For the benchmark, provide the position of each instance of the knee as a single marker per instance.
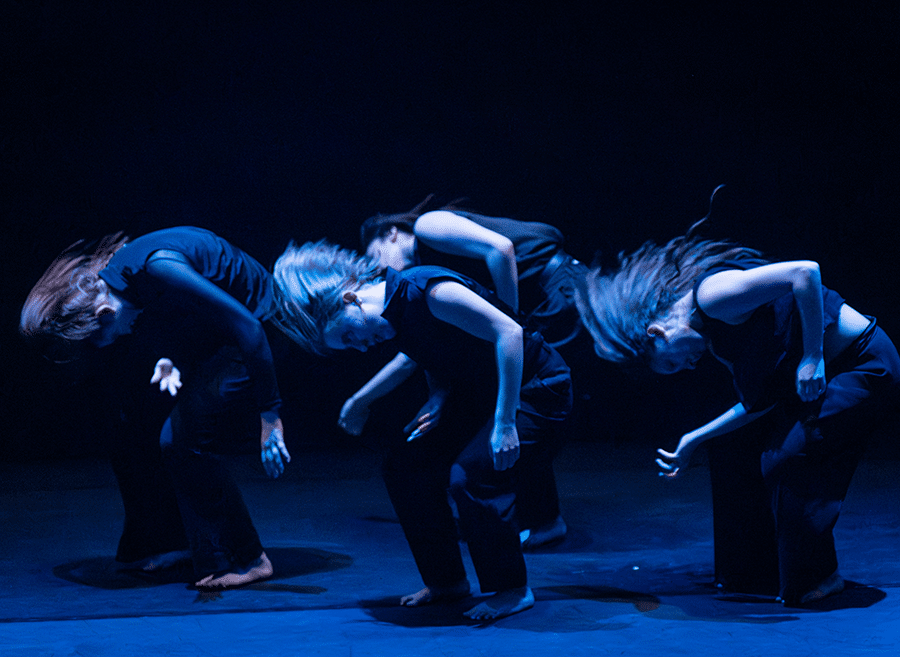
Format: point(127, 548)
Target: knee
point(459, 482)
point(165, 436)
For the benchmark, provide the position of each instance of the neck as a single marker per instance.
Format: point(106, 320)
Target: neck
point(371, 295)
point(684, 310)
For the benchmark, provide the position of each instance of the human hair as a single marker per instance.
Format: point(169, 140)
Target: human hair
point(379, 225)
point(311, 280)
point(617, 306)
point(61, 307)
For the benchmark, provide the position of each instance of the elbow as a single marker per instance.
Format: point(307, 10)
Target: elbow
point(505, 249)
point(501, 254)
point(407, 365)
point(807, 275)
point(512, 334)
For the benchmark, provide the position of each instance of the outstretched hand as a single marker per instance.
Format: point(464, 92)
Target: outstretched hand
point(671, 464)
point(274, 454)
point(167, 376)
point(811, 378)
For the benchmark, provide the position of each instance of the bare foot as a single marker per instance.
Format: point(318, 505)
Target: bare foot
point(433, 594)
point(832, 584)
point(502, 604)
point(261, 568)
point(543, 535)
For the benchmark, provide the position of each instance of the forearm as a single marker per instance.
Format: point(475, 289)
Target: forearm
point(509, 351)
point(734, 418)
point(387, 379)
point(501, 264)
point(807, 288)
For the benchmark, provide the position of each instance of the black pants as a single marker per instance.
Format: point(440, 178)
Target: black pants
point(457, 456)
point(215, 415)
point(152, 520)
point(801, 473)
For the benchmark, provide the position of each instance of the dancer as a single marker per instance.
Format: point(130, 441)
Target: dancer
point(504, 389)
point(194, 300)
point(825, 373)
point(525, 264)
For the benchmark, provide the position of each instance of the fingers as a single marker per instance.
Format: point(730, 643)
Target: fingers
point(272, 452)
point(810, 390)
point(171, 384)
point(416, 425)
point(668, 469)
point(353, 428)
point(668, 464)
point(506, 458)
point(421, 430)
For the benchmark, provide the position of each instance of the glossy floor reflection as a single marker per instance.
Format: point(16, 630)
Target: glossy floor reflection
point(632, 577)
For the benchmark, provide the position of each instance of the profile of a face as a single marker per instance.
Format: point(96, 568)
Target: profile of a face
point(392, 250)
point(357, 327)
point(674, 348)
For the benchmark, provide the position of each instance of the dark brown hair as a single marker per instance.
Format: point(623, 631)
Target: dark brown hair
point(61, 305)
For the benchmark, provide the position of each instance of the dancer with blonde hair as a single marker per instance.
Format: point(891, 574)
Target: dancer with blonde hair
point(502, 389)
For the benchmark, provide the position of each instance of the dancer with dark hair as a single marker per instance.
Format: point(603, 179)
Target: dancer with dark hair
point(504, 389)
point(825, 375)
point(525, 264)
point(198, 302)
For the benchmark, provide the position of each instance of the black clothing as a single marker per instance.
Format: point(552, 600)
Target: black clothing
point(457, 454)
point(800, 458)
point(763, 352)
point(205, 316)
point(545, 272)
point(546, 275)
point(201, 302)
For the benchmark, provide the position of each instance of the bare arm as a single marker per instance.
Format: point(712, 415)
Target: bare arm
point(672, 463)
point(451, 233)
point(355, 411)
point(457, 305)
point(732, 296)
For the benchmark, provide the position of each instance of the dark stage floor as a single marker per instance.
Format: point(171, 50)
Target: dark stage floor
point(633, 576)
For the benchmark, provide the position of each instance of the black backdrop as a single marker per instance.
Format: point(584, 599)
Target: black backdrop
point(266, 121)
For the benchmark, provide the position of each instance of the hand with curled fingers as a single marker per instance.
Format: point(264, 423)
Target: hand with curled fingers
point(504, 446)
point(167, 376)
point(274, 453)
point(811, 378)
point(353, 417)
point(672, 464)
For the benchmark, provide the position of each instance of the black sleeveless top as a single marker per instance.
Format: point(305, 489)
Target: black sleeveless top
point(764, 351)
point(461, 360)
point(535, 244)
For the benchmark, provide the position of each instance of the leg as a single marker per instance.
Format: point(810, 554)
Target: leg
point(486, 502)
point(415, 475)
point(214, 415)
point(537, 500)
point(153, 534)
point(810, 468)
point(746, 552)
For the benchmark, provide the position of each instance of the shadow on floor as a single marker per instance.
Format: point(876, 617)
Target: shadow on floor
point(105, 573)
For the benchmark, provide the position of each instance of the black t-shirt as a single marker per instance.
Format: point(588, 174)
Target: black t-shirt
point(211, 294)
